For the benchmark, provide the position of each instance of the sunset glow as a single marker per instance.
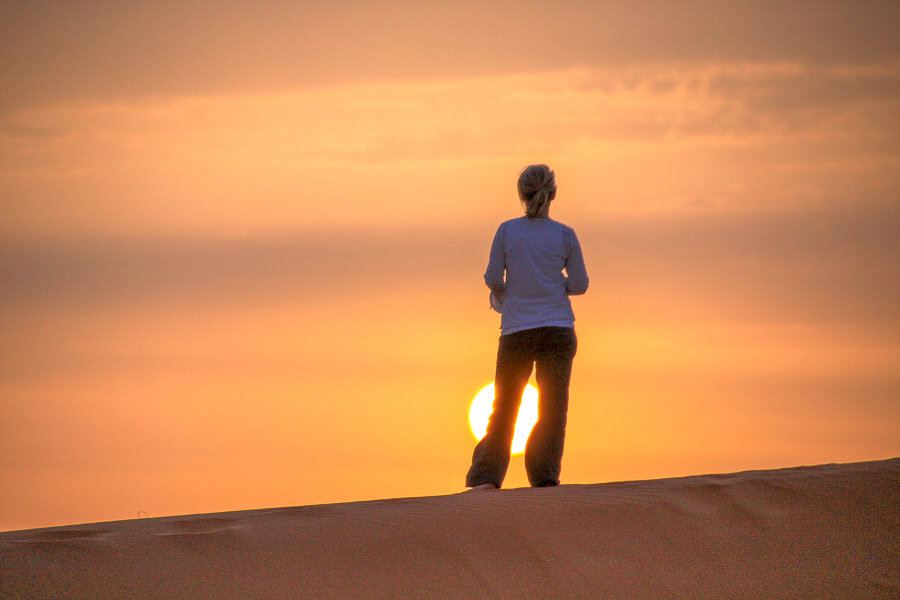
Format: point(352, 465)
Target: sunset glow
point(242, 244)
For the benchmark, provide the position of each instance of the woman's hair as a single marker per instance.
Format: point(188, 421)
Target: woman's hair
point(537, 187)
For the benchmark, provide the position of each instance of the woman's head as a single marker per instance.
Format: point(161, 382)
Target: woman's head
point(537, 187)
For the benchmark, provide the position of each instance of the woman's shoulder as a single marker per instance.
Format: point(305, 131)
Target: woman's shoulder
point(567, 234)
point(525, 225)
point(511, 225)
point(539, 221)
point(565, 229)
point(560, 224)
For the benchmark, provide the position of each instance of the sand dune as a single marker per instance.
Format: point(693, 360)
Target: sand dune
point(830, 531)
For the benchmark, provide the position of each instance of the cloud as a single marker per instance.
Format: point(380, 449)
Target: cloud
point(14, 130)
point(91, 50)
point(830, 266)
point(305, 268)
point(656, 136)
point(827, 265)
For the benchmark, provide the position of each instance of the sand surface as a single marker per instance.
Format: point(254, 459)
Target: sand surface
point(830, 531)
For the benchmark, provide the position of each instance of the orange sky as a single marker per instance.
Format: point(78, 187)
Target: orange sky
point(242, 246)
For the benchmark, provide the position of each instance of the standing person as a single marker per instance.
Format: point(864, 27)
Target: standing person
point(537, 328)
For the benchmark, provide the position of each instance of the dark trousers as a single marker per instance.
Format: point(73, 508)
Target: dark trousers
point(551, 350)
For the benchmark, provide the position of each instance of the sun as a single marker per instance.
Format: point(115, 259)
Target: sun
point(480, 412)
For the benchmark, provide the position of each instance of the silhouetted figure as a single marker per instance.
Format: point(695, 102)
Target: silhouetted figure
point(537, 329)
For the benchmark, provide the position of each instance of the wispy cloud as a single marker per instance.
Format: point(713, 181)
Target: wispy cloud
point(821, 266)
point(660, 136)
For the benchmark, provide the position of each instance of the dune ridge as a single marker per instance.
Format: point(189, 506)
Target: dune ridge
point(827, 531)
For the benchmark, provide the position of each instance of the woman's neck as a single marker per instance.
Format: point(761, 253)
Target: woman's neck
point(544, 213)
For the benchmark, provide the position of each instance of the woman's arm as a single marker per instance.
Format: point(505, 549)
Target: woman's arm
point(493, 277)
point(577, 280)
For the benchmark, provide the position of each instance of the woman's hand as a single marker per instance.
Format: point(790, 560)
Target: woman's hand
point(497, 301)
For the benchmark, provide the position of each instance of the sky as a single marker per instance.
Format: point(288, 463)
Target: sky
point(242, 244)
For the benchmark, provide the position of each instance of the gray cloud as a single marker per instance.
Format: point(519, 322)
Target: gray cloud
point(815, 266)
point(31, 131)
point(828, 264)
point(304, 267)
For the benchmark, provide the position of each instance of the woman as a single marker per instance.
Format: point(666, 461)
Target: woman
point(537, 328)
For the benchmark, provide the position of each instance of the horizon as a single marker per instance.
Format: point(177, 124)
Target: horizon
point(243, 267)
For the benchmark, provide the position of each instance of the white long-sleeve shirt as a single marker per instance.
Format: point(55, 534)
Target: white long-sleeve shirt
point(535, 293)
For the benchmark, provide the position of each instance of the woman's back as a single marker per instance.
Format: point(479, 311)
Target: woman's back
point(533, 253)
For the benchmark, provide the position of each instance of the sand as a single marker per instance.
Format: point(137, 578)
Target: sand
point(830, 531)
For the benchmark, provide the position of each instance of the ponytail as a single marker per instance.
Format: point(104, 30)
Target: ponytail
point(537, 187)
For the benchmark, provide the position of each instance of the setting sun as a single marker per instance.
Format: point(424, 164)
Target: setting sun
point(480, 413)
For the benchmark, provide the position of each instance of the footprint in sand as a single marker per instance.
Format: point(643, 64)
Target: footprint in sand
point(300, 511)
point(64, 535)
point(200, 526)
